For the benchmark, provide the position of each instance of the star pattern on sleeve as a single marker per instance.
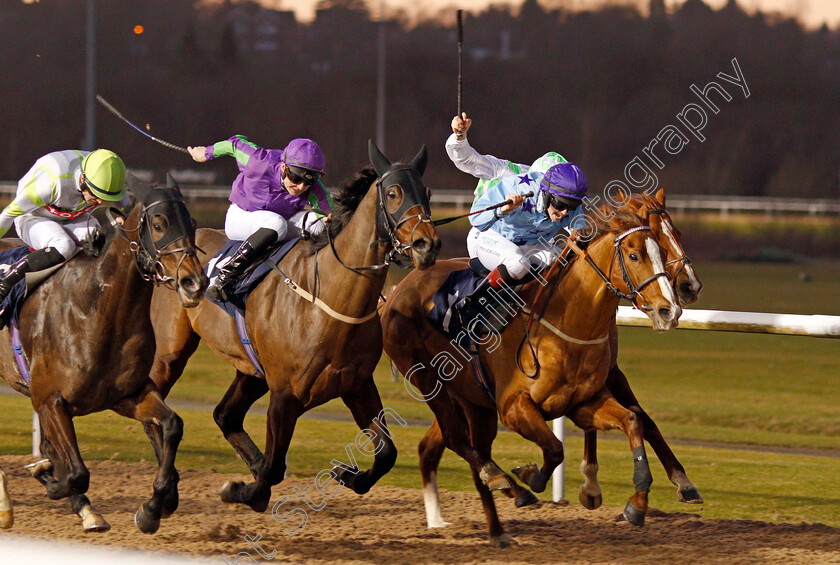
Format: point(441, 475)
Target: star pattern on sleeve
point(525, 179)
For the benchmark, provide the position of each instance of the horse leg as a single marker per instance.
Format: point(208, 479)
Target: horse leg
point(605, 413)
point(366, 406)
point(175, 344)
point(230, 417)
point(619, 387)
point(165, 429)
point(65, 474)
point(483, 428)
point(590, 491)
point(431, 450)
point(283, 412)
point(521, 415)
point(7, 516)
point(453, 425)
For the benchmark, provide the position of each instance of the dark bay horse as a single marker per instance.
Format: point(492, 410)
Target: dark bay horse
point(574, 361)
point(87, 334)
point(309, 355)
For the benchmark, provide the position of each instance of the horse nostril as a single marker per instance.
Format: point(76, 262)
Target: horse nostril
point(665, 314)
point(422, 245)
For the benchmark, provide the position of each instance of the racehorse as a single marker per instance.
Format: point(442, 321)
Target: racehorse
point(687, 287)
point(87, 333)
point(562, 373)
point(311, 352)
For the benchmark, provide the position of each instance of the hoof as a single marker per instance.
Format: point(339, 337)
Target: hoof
point(351, 480)
point(7, 516)
point(494, 478)
point(690, 496)
point(590, 502)
point(502, 541)
point(634, 515)
point(531, 476)
point(92, 521)
point(526, 498)
point(42, 466)
point(232, 493)
point(146, 523)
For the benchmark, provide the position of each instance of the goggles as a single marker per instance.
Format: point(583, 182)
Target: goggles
point(297, 175)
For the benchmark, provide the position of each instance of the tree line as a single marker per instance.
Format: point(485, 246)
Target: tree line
point(597, 86)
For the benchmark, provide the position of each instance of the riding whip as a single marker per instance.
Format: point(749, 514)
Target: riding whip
point(123, 118)
point(442, 221)
point(460, 49)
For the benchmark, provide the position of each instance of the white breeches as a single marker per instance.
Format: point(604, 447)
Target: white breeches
point(65, 236)
point(493, 249)
point(240, 225)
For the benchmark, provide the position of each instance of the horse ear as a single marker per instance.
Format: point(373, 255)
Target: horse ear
point(660, 196)
point(137, 187)
point(170, 183)
point(380, 163)
point(420, 160)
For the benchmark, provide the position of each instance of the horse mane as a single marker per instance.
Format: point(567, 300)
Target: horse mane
point(346, 202)
point(621, 220)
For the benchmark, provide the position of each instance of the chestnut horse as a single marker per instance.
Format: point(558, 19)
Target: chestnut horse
point(622, 259)
point(687, 287)
point(310, 356)
point(87, 334)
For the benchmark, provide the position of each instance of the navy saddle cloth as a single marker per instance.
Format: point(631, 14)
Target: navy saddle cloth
point(247, 284)
point(14, 301)
point(444, 315)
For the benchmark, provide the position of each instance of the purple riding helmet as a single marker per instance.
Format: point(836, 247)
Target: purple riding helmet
point(563, 186)
point(305, 154)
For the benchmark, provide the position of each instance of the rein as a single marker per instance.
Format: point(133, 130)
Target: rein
point(634, 293)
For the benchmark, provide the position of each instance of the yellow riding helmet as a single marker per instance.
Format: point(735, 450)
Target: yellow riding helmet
point(104, 174)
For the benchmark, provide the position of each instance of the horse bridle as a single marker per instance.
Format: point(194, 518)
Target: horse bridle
point(388, 223)
point(683, 260)
point(147, 252)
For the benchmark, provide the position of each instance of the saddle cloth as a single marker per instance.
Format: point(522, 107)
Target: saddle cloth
point(14, 301)
point(445, 315)
point(239, 296)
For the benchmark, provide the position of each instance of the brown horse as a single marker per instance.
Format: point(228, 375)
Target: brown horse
point(573, 362)
point(87, 333)
point(310, 355)
point(687, 287)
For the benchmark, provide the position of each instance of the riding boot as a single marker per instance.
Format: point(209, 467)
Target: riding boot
point(492, 301)
point(35, 261)
point(248, 253)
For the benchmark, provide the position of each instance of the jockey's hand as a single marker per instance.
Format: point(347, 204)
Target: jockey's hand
point(197, 153)
point(326, 219)
point(119, 220)
point(516, 202)
point(460, 125)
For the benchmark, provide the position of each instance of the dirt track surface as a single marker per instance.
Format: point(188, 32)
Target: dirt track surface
point(388, 526)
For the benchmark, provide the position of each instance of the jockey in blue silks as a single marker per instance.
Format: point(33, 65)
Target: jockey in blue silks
point(513, 239)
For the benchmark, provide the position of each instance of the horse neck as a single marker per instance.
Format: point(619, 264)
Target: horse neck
point(356, 245)
point(581, 305)
point(117, 269)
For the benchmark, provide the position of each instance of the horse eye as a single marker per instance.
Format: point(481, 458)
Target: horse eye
point(634, 257)
point(392, 194)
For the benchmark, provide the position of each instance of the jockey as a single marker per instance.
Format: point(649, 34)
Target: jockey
point(272, 190)
point(513, 239)
point(52, 209)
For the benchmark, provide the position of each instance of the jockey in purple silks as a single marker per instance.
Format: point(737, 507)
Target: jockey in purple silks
point(274, 188)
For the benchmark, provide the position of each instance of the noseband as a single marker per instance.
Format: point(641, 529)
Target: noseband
point(147, 252)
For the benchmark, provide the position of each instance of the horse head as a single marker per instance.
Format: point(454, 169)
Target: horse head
point(640, 276)
point(165, 248)
point(404, 216)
